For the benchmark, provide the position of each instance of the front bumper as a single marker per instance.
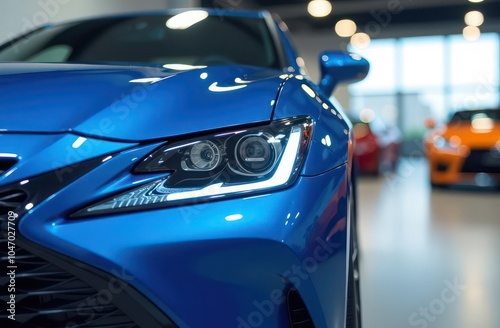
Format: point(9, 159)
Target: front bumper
point(474, 167)
point(226, 263)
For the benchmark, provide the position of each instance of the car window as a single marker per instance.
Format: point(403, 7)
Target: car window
point(54, 54)
point(469, 115)
point(148, 39)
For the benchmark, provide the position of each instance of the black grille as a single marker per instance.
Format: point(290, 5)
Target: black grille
point(299, 315)
point(442, 167)
point(481, 161)
point(47, 296)
point(56, 291)
point(10, 200)
point(6, 163)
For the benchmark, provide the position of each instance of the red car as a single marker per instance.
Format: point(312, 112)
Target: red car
point(377, 146)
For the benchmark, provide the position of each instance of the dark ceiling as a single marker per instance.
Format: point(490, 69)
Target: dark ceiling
point(363, 12)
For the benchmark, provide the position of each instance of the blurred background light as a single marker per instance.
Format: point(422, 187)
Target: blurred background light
point(360, 40)
point(345, 28)
point(471, 33)
point(319, 8)
point(367, 115)
point(474, 18)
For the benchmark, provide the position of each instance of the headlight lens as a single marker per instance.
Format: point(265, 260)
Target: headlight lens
point(203, 156)
point(218, 165)
point(441, 142)
point(256, 154)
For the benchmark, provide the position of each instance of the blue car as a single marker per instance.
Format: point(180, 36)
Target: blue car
point(175, 169)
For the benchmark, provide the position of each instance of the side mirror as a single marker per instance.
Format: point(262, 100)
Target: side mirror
point(341, 66)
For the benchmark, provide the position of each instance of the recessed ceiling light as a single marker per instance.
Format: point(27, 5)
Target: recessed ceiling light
point(471, 33)
point(474, 18)
point(345, 28)
point(360, 40)
point(319, 8)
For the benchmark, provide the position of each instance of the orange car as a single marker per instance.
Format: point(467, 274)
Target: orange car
point(466, 150)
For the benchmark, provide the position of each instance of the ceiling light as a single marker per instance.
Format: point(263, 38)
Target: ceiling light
point(319, 8)
point(471, 33)
point(475, 1)
point(345, 28)
point(474, 18)
point(360, 40)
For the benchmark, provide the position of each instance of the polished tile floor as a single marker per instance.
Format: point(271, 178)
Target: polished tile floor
point(429, 257)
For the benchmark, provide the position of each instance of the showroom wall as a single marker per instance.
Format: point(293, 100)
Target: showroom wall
point(311, 42)
point(22, 16)
point(464, 73)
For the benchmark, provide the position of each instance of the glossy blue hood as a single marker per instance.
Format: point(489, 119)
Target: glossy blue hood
point(132, 103)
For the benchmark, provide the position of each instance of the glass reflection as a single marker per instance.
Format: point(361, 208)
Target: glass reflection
point(186, 19)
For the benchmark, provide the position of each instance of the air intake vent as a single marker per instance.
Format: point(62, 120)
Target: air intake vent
point(10, 200)
point(299, 315)
point(47, 296)
point(481, 161)
point(6, 163)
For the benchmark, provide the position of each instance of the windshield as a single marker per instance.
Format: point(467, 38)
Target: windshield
point(160, 39)
point(470, 115)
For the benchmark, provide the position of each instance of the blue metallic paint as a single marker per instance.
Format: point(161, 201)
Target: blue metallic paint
point(239, 257)
point(329, 121)
point(40, 153)
point(117, 106)
point(341, 66)
point(59, 94)
point(191, 259)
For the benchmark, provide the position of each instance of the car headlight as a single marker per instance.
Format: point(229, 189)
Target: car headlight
point(218, 165)
point(454, 143)
point(441, 142)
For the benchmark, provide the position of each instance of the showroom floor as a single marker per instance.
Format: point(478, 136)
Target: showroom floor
point(430, 258)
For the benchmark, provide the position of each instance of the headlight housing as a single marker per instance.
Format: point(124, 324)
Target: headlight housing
point(217, 166)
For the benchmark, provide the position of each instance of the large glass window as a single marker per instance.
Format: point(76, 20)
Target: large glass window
point(416, 78)
point(474, 76)
point(422, 61)
point(382, 75)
